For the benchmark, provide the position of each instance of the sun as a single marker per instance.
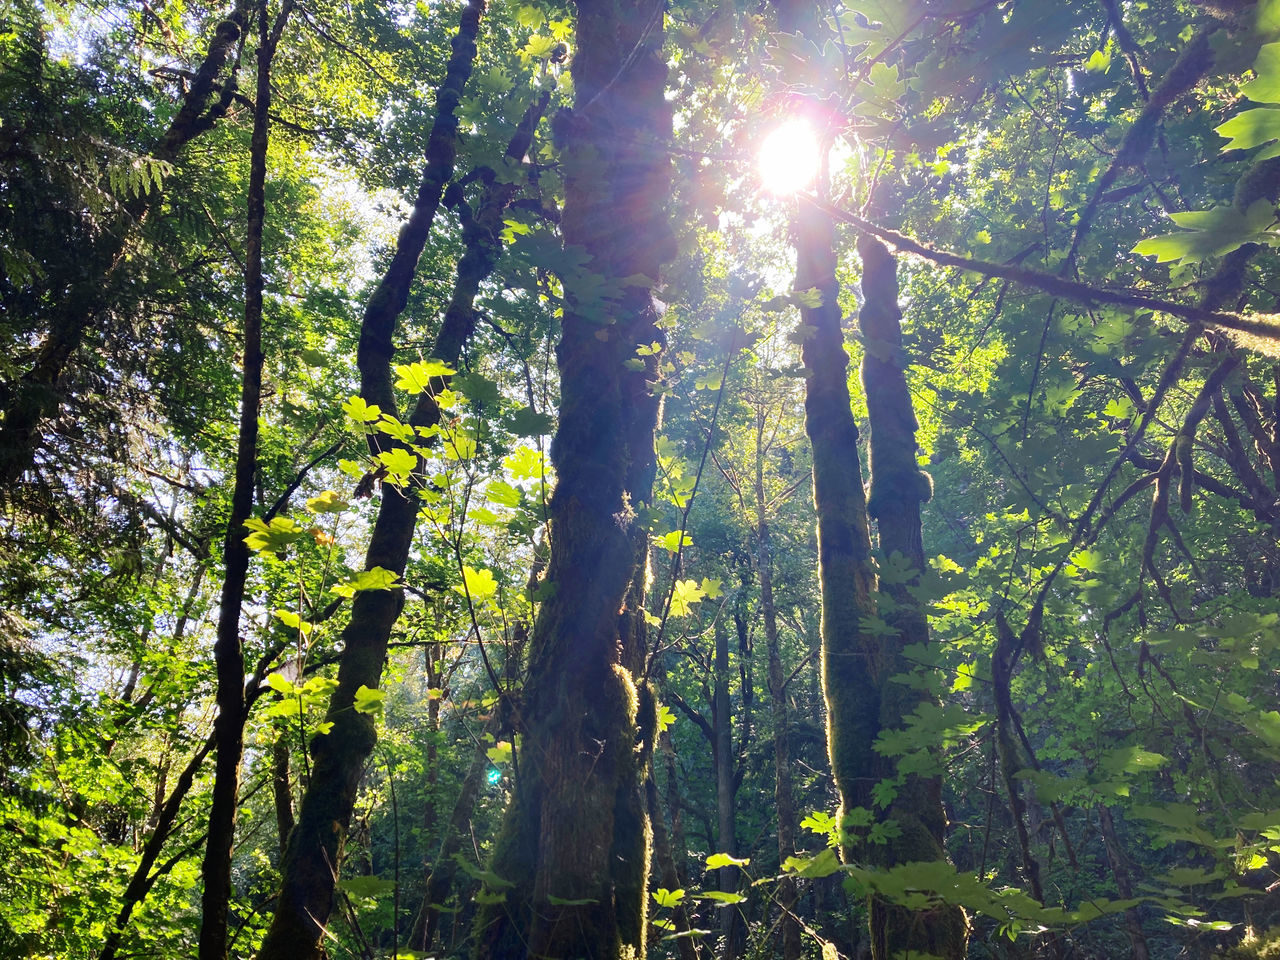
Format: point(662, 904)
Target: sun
point(789, 157)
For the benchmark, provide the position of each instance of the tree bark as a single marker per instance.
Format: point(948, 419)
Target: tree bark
point(783, 791)
point(574, 845)
point(441, 874)
point(845, 576)
point(898, 488)
point(309, 868)
point(726, 790)
point(228, 653)
point(281, 788)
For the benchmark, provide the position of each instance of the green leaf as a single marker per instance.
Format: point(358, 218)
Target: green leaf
point(399, 462)
point(502, 493)
point(1099, 62)
point(525, 463)
point(811, 298)
point(1091, 560)
point(272, 537)
point(417, 377)
point(665, 718)
point(858, 817)
point(477, 388)
point(673, 541)
point(377, 578)
point(279, 684)
point(686, 593)
point(1212, 233)
point(528, 422)
point(1121, 408)
point(367, 888)
point(712, 588)
point(718, 860)
point(1252, 128)
point(319, 686)
point(500, 752)
point(667, 898)
point(327, 502)
point(395, 429)
point(691, 933)
point(530, 17)
point(814, 868)
point(538, 47)
point(884, 831)
point(293, 621)
point(368, 700)
point(884, 793)
point(361, 412)
point(820, 822)
point(288, 708)
point(460, 445)
point(478, 584)
point(722, 897)
point(563, 902)
point(1131, 760)
point(1265, 87)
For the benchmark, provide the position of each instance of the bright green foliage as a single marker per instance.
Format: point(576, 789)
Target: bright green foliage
point(1149, 689)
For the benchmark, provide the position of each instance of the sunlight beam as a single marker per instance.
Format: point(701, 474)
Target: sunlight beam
point(789, 158)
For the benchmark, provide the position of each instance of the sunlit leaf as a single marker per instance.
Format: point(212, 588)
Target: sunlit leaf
point(368, 700)
point(477, 584)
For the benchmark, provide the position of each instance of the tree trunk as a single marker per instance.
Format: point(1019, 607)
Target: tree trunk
point(228, 653)
point(783, 792)
point(574, 844)
point(441, 875)
point(845, 575)
point(665, 864)
point(142, 879)
point(898, 488)
point(726, 791)
point(1124, 885)
point(309, 868)
point(281, 788)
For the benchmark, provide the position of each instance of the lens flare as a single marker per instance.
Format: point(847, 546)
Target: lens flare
point(789, 158)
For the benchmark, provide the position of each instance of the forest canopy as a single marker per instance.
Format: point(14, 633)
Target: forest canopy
point(640, 478)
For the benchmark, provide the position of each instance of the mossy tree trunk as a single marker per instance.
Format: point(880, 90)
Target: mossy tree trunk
point(575, 844)
point(858, 667)
point(898, 488)
point(846, 577)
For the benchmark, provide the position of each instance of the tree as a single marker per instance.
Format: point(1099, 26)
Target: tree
point(1044, 719)
point(573, 859)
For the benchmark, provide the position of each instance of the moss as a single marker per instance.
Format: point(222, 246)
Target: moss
point(632, 835)
point(1254, 946)
point(898, 488)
